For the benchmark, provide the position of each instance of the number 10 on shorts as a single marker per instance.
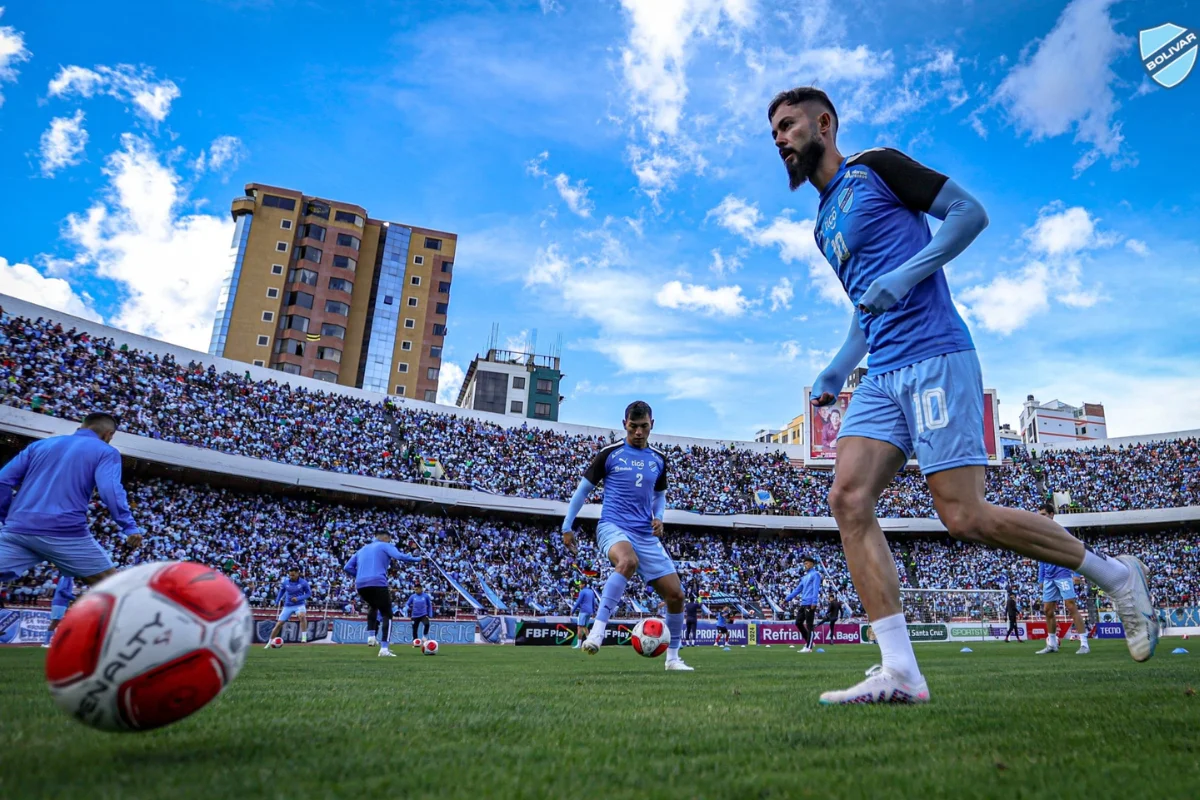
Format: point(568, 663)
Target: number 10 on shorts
point(930, 408)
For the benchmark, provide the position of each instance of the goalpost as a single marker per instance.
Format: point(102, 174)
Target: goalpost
point(977, 614)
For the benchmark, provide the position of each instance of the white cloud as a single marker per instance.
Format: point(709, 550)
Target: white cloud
point(781, 294)
point(26, 283)
point(450, 381)
point(12, 52)
point(1066, 84)
point(1137, 246)
point(223, 155)
point(1008, 302)
point(549, 266)
point(167, 264)
point(1066, 231)
point(62, 144)
point(550, 6)
point(935, 78)
point(722, 301)
point(135, 86)
point(575, 195)
point(735, 214)
point(722, 265)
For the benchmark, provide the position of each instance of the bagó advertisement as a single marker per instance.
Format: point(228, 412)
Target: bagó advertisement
point(786, 633)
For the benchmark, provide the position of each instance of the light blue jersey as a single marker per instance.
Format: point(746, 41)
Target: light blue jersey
point(293, 593)
point(630, 476)
point(370, 564)
point(809, 590)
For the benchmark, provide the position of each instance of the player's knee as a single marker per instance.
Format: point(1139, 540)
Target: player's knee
point(849, 504)
point(674, 596)
point(966, 523)
point(627, 564)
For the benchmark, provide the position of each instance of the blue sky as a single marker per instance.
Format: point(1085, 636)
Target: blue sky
point(608, 167)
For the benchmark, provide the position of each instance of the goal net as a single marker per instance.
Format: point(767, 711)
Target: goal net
point(970, 613)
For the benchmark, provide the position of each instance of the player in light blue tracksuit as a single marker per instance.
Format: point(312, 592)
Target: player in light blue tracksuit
point(419, 608)
point(292, 600)
point(809, 592)
point(369, 568)
point(585, 608)
point(1058, 584)
point(64, 595)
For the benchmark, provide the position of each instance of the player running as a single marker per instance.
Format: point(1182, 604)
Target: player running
point(47, 519)
point(634, 475)
point(809, 592)
point(585, 608)
point(924, 390)
point(419, 607)
point(64, 595)
point(292, 598)
point(1058, 584)
point(369, 567)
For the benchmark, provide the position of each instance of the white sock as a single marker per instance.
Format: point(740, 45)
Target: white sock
point(895, 646)
point(1083, 639)
point(1107, 573)
point(597, 631)
point(1052, 641)
point(672, 653)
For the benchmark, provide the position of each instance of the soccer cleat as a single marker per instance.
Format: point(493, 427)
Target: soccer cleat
point(591, 646)
point(806, 649)
point(1136, 610)
point(1083, 650)
point(46, 644)
point(372, 641)
point(1045, 650)
point(677, 665)
point(881, 686)
point(387, 653)
point(267, 646)
point(304, 637)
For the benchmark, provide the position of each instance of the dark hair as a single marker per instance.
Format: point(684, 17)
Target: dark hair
point(803, 94)
point(638, 409)
point(100, 421)
point(293, 568)
point(1048, 507)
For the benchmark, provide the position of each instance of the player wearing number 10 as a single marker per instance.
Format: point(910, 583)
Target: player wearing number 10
point(923, 393)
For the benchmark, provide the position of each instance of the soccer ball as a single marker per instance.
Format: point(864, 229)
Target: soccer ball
point(430, 647)
point(417, 643)
point(650, 638)
point(149, 646)
point(277, 642)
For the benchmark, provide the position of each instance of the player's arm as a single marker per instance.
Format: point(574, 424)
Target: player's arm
point(351, 567)
point(305, 590)
point(403, 557)
point(794, 594)
point(660, 501)
point(11, 478)
point(282, 595)
point(853, 350)
point(922, 189)
point(108, 484)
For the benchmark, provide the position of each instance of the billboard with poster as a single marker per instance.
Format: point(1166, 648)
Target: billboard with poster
point(821, 427)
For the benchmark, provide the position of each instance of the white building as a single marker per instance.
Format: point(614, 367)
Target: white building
point(1048, 423)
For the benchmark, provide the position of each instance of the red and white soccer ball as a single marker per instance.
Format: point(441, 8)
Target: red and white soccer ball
point(149, 646)
point(277, 643)
point(429, 648)
point(417, 643)
point(650, 638)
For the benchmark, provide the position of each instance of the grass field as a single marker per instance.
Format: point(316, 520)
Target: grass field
point(481, 722)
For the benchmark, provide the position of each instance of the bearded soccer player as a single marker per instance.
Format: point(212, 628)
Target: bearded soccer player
point(923, 392)
point(634, 475)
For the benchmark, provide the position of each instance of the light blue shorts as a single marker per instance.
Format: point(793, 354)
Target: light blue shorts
point(78, 556)
point(1061, 589)
point(583, 620)
point(653, 561)
point(58, 612)
point(933, 408)
point(286, 612)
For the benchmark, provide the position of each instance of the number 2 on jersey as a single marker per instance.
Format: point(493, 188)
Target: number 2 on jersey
point(639, 480)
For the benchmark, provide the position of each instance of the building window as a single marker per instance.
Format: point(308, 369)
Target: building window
point(432, 373)
point(286, 203)
point(517, 407)
point(545, 386)
point(402, 367)
point(313, 232)
point(268, 316)
point(431, 395)
point(415, 280)
point(410, 323)
point(336, 307)
point(347, 216)
point(259, 363)
point(345, 262)
point(541, 409)
point(336, 331)
point(317, 209)
point(277, 269)
point(263, 341)
point(448, 267)
point(419, 260)
point(435, 351)
point(406, 345)
point(399, 390)
point(433, 244)
point(290, 369)
point(388, 300)
point(302, 299)
point(412, 302)
point(290, 346)
point(309, 254)
point(286, 224)
point(341, 285)
point(301, 275)
point(281, 247)
point(325, 375)
point(293, 322)
point(442, 308)
point(444, 287)
point(272, 293)
point(439, 330)
point(518, 382)
point(346, 240)
point(330, 354)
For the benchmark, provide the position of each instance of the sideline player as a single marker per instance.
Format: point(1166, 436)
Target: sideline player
point(292, 600)
point(369, 567)
point(924, 389)
point(724, 620)
point(64, 595)
point(419, 607)
point(691, 614)
point(47, 518)
point(809, 592)
point(833, 613)
point(634, 475)
point(585, 608)
point(1058, 584)
point(1010, 611)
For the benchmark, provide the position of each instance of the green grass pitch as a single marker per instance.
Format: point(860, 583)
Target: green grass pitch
point(483, 722)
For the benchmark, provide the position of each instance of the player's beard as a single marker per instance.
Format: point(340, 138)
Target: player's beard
point(807, 158)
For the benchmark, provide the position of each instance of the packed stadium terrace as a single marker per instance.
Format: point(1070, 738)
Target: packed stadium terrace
point(257, 537)
point(66, 373)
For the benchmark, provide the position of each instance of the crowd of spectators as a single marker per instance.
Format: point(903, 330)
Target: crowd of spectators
point(67, 373)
